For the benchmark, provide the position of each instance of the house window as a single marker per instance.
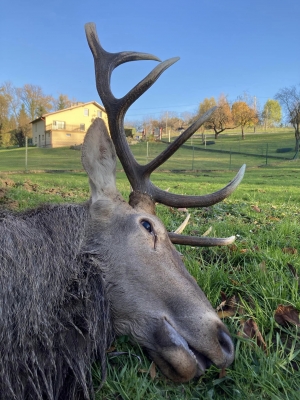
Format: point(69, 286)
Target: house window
point(86, 112)
point(58, 125)
point(99, 114)
point(82, 127)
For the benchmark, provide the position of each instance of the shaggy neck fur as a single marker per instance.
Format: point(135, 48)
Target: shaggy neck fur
point(54, 314)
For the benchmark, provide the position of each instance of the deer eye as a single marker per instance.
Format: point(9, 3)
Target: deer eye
point(147, 226)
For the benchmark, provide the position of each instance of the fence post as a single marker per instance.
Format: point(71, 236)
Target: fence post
point(267, 154)
point(193, 160)
point(26, 154)
point(147, 150)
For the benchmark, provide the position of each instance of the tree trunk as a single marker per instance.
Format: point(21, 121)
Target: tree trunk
point(243, 135)
point(297, 137)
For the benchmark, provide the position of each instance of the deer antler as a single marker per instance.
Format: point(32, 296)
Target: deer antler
point(139, 175)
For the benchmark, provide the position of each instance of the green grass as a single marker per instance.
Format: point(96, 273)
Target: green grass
point(228, 152)
point(257, 270)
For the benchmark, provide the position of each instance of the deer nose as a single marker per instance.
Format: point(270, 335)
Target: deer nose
point(227, 347)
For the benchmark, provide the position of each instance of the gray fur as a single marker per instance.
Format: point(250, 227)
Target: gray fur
point(73, 275)
point(50, 303)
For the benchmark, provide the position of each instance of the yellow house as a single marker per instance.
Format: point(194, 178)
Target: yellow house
point(66, 127)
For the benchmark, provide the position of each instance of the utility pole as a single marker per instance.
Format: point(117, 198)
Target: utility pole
point(254, 105)
point(167, 125)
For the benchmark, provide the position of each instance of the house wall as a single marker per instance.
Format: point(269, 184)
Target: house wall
point(38, 133)
point(73, 118)
point(76, 115)
point(64, 139)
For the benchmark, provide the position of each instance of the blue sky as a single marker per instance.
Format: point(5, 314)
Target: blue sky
point(225, 46)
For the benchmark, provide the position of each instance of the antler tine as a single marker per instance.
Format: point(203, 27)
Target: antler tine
point(177, 200)
point(138, 175)
point(174, 146)
point(105, 63)
point(200, 241)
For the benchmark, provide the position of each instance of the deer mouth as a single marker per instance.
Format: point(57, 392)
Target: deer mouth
point(202, 361)
point(179, 361)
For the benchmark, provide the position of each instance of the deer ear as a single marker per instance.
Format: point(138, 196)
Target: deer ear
point(99, 160)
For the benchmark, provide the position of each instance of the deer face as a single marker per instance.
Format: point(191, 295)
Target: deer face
point(153, 298)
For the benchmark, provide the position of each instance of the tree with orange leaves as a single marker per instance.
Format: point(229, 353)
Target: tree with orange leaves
point(243, 115)
point(221, 119)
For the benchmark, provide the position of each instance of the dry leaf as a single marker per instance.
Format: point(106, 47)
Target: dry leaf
point(153, 371)
point(285, 315)
point(222, 373)
point(251, 331)
point(293, 270)
point(256, 209)
point(289, 250)
point(112, 348)
point(274, 219)
point(232, 247)
point(182, 209)
point(228, 307)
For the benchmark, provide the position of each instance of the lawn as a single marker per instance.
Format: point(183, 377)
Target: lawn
point(254, 277)
point(227, 152)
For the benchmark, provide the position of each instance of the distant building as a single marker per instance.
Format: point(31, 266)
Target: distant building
point(66, 127)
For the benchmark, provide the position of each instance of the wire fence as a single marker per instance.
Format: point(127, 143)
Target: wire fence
point(211, 154)
point(227, 152)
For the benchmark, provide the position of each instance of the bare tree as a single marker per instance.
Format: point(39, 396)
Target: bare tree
point(289, 98)
point(35, 101)
point(12, 96)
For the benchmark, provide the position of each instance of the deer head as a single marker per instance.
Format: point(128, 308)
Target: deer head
point(153, 298)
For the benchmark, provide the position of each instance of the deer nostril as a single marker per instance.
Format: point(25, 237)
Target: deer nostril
point(226, 345)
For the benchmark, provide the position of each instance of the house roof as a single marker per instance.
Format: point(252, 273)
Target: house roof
point(69, 108)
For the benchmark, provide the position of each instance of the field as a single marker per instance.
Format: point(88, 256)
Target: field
point(258, 277)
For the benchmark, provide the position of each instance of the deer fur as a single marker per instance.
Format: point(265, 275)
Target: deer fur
point(73, 276)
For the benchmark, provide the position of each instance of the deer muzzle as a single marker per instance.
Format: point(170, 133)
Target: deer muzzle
point(180, 361)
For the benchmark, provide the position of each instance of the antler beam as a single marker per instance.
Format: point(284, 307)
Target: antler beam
point(139, 175)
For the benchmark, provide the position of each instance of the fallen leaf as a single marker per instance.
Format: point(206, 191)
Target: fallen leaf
point(222, 373)
point(285, 315)
point(250, 331)
point(182, 209)
point(289, 250)
point(293, 270)
point(228, 307)
point(232, 247)
point(256, 209)
point(153, 371)
point(112, 348)
point(274, 219)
